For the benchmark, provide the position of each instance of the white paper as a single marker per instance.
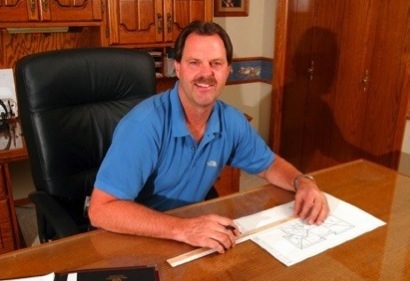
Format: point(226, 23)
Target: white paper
point(8, 90)
point(7, 87)
point(294, 241)
point(48, 277)
point(72, 276)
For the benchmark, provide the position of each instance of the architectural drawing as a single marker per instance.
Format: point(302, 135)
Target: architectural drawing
point(294, 240)
point(303, 236)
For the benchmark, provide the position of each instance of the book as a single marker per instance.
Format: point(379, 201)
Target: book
point(135, 273)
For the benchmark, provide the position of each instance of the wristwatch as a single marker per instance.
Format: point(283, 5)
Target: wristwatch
point(297, 179)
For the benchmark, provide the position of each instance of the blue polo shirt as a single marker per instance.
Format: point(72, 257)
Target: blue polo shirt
point(154, 160)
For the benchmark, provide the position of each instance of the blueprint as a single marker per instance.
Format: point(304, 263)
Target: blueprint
point(295, 241)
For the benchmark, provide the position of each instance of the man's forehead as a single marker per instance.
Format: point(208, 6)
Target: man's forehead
point(204, 46)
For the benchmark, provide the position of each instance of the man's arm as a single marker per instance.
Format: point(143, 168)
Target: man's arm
point(124, 216)
point(310, 202)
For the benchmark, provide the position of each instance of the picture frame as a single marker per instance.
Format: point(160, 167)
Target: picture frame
point(231, 8)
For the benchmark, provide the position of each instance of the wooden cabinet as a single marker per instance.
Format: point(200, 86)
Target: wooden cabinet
point(35, 11)
point(142, 22)
point(340, 81)
point(8, 222)
point(228, 181)
point(9, 231)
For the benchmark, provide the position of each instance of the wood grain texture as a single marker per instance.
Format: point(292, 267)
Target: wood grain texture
point(340, 93)
point(16, 46)
point(202, 252)
point(379, 254)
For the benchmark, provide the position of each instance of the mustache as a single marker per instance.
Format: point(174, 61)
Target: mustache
point(210, 80)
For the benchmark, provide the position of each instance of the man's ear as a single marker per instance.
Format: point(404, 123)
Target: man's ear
point(177, 67)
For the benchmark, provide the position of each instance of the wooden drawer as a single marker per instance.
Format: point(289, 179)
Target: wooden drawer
point(228, 181)
point(3, 186)
point(7, 241)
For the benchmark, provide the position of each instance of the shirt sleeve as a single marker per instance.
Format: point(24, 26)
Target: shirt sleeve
point(129, 161)
point(250, 151)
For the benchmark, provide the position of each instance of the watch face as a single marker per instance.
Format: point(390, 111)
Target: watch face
point(10, 136)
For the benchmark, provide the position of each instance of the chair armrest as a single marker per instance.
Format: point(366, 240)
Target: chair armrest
point(53, 214)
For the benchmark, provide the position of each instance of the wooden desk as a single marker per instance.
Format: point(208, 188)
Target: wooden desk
point(382, 254)
point(12, 148)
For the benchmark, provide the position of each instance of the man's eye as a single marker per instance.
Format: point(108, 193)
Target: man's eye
point(193, 62)
point(216, 64)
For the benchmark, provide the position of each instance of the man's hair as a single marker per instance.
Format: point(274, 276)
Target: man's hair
point(205, 29)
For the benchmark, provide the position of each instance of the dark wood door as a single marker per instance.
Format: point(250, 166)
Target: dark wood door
point(343, 93)
point(351, 84)
point(309, 91)
point(388, 86)
point(294, 89)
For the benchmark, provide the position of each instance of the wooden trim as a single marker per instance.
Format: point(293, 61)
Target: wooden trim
point(278, 73)
point(248, 81)
point(21, 202)
point(251, 59)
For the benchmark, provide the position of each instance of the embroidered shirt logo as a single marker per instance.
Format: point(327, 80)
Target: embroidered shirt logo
point(211, 163)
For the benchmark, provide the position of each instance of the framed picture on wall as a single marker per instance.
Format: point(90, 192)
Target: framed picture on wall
point(231, 8)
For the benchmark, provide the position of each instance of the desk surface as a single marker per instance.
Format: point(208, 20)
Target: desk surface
point(382, 254)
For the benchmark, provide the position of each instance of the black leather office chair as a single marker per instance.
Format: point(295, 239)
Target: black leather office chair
point(69, 103)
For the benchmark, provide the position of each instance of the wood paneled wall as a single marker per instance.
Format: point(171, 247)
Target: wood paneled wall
point(16, 46)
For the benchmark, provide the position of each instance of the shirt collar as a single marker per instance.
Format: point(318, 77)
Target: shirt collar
point(178, 117)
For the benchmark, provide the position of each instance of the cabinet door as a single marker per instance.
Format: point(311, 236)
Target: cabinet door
point(319, 121)
point(297, 44)
point(344, 93)
point(153, 21)
point(136, 21)
point(18, 11)
point(352, 83)
point(387, 89)
point(49, 10)
point(7, 239)
point(8, 221)
point(179, 13)
point(70, 10)
point(309, 92)
point(228, 181)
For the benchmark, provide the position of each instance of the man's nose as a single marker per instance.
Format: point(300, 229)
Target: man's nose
point(206, 69)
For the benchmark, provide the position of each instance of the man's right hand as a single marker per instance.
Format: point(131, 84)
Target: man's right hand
point(209, 231)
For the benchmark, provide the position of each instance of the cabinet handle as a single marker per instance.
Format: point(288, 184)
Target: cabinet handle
point(160, 23)
point(365, 80)
point(311, 70)
point(169, 22)
point(32, 4)
point(45, 5)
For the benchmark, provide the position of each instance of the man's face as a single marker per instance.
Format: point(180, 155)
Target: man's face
point(203, 71)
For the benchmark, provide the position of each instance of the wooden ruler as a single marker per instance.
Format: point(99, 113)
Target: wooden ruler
point(201, 252)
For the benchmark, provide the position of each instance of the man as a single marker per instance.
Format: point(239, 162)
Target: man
point(168, 151)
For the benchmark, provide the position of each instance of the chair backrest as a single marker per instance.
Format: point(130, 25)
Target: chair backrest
point(70, 102)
